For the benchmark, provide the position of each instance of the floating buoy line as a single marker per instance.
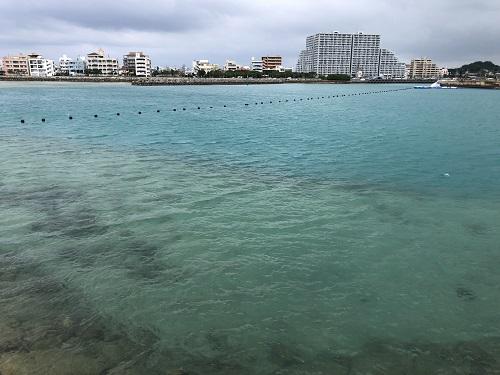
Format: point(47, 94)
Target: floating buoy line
point(71, 117)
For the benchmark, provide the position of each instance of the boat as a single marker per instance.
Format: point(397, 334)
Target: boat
point(435, 85)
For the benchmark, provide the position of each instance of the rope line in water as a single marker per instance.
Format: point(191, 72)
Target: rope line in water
point(70, 117)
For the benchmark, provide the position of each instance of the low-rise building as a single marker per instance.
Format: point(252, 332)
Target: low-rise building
point(16, 65)
point(230, 65)
point(64, 62)
point(204, 65)
point(39, 66)
point(271, 62)
point(77, 66)
point(137, 64)
point(423, 68)
point(98, 63)
point(256, 65)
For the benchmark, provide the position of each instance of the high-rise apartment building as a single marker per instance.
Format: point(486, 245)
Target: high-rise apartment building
point(356, 55)
point(365, 55)
point(389, 65)
point(137, 64)
point(97, 63)
point(271, 62)
point(423, 68)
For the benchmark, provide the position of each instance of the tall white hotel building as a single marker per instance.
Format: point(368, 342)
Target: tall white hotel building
point(357, 55)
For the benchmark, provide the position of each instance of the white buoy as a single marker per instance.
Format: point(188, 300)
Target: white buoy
point(446, 175)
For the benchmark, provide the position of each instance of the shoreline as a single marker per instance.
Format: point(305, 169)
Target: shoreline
point(472, 84)
point(170, 81)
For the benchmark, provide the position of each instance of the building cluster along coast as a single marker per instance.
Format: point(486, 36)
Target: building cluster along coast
point(360, 56)
point(94, 63)
point(333, 55)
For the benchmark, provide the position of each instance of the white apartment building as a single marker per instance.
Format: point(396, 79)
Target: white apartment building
point(77, 66)
point(423, 68)
point(231, 65)
point(16, 65)
point(39, 66)
point(97, 63)
point(389, 66)
point(304, 63)
point(365, 55)
point(356, 55)
point(72, 67)
point(257, 65)
point(64, 62)
point(204, 65)
point(137, 64)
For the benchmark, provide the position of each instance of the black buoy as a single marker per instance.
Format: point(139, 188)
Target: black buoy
point(210, 107)
point(139, 112)
point(22, 121)
point(71, 117)
point(157, 111)
point(261, 102)
point(95, 115)
point(270, 102)
point(118, 113)
point(174, 109)
point(246, 103)
point(199, 108)
point(183, 109)
point(43, 120)
point(224, 106)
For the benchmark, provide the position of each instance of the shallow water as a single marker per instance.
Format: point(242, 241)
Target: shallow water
point(355, 234)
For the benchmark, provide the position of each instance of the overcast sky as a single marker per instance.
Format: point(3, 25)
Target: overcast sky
point(172, 32)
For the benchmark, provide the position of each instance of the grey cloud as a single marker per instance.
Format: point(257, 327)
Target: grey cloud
point(175, 32)
point(160, 16)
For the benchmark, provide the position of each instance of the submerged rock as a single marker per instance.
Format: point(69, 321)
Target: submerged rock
point(284, 355)
point(465, 294)
point(476, 228)
point(49, 362)
point(217, 341)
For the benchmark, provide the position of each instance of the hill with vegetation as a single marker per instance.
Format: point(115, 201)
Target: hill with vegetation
point(481, 68)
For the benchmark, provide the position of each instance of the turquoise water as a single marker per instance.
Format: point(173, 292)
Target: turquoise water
point(350, 235)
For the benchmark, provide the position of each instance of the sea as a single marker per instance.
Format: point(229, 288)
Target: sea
point(347, 229)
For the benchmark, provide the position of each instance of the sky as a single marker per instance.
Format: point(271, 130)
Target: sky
point(173, 32)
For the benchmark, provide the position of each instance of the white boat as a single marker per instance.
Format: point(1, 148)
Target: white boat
point(435, 85)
